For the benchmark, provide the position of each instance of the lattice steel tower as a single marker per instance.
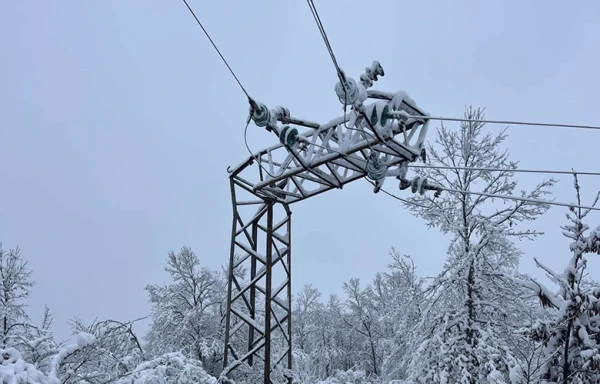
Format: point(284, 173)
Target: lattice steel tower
point(378, 135)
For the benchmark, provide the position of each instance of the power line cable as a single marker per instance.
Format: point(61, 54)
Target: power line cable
point(524, 199)
point(218, 51)
point(501, 122)
point(321, 28)
point(549, 171)
point(253, 104)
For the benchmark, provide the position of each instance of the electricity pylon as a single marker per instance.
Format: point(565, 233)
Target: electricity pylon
point(378, 135)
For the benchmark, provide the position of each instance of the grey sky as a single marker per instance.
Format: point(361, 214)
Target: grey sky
point(118, 122)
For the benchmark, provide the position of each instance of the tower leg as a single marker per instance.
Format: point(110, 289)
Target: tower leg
point(258, 317)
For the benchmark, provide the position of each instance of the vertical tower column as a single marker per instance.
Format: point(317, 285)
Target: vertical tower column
point(258, 318)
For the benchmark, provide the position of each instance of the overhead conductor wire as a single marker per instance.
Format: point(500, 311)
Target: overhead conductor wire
point(517, 170)
point(524, 199)
point(508, 122)
point(253, 104)
point(317, 18)
point(217, 49)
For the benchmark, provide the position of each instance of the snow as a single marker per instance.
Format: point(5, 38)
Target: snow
point(84, 339)
point(13, 370)
point(347, 377)
point(169, 368)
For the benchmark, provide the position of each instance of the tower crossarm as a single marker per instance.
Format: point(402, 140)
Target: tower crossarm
point(330, 155)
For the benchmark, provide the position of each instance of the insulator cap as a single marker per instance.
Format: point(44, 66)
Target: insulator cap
point(379, 114)
point(352, 93)
point(262, 115)
point(375, 170)
point(419, 184)
point(288, 136)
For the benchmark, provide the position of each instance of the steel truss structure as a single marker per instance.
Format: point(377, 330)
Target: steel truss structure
point(367, 141)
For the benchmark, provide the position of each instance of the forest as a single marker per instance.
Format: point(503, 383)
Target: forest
point(479, 320)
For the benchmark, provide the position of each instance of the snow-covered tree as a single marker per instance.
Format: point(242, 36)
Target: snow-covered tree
point(37, 343)
point(459, 340)
point(170, 368)
point(306, 309)
point(346, 377)
point(188, 313)
point(570, 339)
point(13, 369)
point(321, 342)
point(15, 287)
point(103, 352)
point(365, 326)
point(396, 295)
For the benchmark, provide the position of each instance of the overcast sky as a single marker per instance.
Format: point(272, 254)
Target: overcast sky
point(118, 121)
